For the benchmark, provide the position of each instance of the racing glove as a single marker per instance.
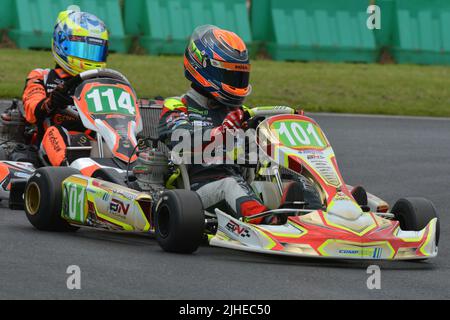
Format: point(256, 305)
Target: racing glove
point(58, 100)
point(233, 121)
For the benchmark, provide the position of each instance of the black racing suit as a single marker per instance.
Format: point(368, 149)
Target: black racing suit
point(218, 185)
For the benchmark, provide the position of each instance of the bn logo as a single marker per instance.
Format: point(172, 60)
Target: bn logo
point(118, 207)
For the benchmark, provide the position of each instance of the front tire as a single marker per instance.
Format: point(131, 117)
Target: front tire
point(414, 214)
point(43, 199)
point(180, 221)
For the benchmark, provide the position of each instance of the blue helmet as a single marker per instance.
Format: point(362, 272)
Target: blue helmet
point(217, 61)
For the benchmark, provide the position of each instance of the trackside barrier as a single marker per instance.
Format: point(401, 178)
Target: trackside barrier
point(34, 21)
point(414, 31)
point(422, 31)
point(165, 25)
point(385, 36)
point(329, 30)
point(6, 13)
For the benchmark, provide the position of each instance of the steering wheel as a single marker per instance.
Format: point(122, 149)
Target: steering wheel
point(254, 122)
point(70, 85)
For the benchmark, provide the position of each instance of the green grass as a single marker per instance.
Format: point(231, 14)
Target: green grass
point(319, 87)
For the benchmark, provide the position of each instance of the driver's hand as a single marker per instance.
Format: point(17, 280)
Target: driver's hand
point(231, 123)
point(59, 100)
point(233, 120)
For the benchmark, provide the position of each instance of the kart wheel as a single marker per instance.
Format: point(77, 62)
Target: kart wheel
point(414, 214)
point(43, 199)
point(180, 222)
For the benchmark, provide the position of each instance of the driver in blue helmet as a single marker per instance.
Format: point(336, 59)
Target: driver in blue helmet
point(217, 64)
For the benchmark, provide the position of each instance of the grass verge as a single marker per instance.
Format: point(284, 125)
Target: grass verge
point(318, 87)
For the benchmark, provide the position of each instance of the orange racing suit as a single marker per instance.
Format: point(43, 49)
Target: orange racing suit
point(56, 130)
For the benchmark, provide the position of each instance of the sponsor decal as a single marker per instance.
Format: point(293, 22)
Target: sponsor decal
point(83, 140)
point(237, 229)
point(116, 206)
point(24, 175)
point(59, 82)
point(105, 197)
point(349, 251)
point(198, 111)
point(314, 156)
point(198, 123)
point(61, 118)
point(123, 193)
point(54, 141)
point(340, 196)
point(377, 252)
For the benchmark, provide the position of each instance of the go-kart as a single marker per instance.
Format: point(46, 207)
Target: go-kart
point(340, 222)
point(106, 104)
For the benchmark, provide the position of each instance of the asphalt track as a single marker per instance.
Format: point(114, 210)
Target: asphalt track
point(392, 157)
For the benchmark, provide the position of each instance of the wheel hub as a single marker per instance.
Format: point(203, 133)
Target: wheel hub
point(32, 198)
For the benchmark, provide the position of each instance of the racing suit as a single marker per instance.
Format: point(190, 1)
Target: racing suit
point(218, 185)
point(55, 130)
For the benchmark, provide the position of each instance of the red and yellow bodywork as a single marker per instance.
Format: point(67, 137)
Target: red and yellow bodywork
point(342, 230)
point(314, 235)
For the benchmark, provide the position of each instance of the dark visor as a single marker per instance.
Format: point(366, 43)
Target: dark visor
point(236, 79)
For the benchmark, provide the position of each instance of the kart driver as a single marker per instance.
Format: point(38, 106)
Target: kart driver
point(217, 64)
point(80, 43)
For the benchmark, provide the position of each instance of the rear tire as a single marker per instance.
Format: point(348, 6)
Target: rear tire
point(43, 199)
point(414, 214)
point(180, 222)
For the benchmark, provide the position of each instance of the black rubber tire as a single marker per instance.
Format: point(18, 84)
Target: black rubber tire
point(48, 181)
point(414, 214)
point(297, 191)
point(180, 222)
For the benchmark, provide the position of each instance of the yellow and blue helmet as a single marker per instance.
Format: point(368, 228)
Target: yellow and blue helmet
point(80, 42)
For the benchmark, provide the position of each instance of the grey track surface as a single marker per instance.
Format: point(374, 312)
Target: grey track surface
point(393, 158)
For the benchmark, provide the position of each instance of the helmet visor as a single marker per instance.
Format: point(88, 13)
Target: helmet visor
point(87, 48)
point(236, 75)
point(236, 79)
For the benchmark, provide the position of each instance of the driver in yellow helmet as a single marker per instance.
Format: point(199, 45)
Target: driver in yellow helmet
point(80, 43)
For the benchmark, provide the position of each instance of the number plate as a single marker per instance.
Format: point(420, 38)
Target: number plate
point(110, 100)
point(74, 195)
point(299, 134)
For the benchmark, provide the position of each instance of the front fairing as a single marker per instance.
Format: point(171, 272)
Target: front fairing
point(316, 235)
point(109, 107)
point(297, 143)
point(340, 229)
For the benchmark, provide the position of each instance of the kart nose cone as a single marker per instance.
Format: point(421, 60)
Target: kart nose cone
point(345, 209)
